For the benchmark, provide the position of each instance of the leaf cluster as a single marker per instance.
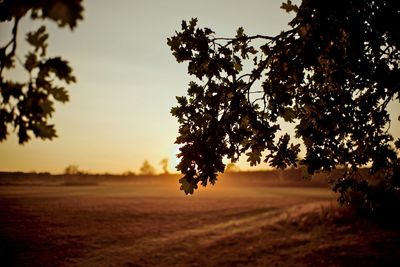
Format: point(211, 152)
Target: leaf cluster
point(27, 106)
point(62, 12)
point(332, 74)
point(219, 118)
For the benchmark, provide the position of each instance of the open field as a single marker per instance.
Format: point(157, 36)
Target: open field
point(151, 223)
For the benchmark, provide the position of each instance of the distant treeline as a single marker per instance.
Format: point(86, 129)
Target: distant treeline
point(289, 177)
point(40, 178)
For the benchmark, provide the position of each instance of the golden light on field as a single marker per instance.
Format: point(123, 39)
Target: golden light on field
point(106, 191)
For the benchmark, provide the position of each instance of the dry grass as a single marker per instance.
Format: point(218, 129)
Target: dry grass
point(141, 224)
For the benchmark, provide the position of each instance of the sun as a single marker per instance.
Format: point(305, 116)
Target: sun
point(174, 160)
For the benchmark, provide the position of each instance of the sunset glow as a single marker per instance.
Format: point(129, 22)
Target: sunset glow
point(118, 114)
point(119, 110)
point(282, 115)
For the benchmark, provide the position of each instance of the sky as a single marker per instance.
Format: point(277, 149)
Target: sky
point(127, 79)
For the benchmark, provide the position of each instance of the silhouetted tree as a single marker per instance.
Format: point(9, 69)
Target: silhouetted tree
point(27, 106)
point(147, 169)
point(129, 173)
point(164, 164)
point(332, 74)
point(72, 170)
point(231, 167)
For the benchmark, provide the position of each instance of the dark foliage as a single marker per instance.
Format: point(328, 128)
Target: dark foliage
point(27, 106)
point(332, 74)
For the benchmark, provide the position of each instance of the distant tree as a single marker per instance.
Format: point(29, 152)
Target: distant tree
point(231, 167)
point(27, 106)
point(332, 74)
point(147, 169)
point(72, 170)
point(129, 173)
point(164, 164)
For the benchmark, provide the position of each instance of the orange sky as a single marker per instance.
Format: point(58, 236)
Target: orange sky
point(118, 114)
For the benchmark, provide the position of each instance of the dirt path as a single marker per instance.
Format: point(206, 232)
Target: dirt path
point(209, 234)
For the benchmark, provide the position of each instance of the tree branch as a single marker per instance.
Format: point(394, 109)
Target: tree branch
point(258, 36)
point(12, 42)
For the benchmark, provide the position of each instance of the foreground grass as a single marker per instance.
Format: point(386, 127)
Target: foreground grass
point(139, 224)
